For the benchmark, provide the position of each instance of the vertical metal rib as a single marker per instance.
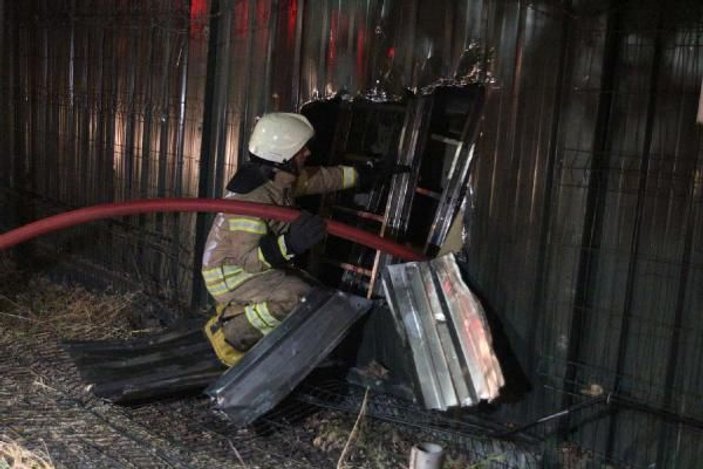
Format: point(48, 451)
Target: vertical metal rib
point(218, 47)
point(397, 285)
point(411, 146)
point(297, 63)
point(595, 204)
point(624, 336)
point(541, 277)
point(458, 176)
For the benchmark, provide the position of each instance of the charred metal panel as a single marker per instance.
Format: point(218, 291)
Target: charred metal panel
point(446, 329)
point(354, 132)
point(177, 361)
point(435, 145)
point(283, 358)
point(457, 175)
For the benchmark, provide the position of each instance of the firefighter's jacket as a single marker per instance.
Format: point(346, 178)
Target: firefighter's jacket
point(233, 256)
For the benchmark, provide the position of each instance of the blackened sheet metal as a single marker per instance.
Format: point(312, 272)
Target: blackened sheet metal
point(458, 174)
point(441, 124)
point(449, 338)
point(401, 192)
point(177, 361)
point(283, 358)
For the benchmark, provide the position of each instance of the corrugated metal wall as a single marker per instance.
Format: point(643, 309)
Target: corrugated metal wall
point(585, 234)
point(587, 222)
point(586, 230)
point(103, 101)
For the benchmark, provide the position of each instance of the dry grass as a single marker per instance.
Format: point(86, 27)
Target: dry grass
point(354, 432)
point(72, 312)
point(375, 444)
point(15, 456)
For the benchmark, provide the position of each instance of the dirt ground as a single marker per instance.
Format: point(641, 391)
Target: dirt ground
point(44, 406)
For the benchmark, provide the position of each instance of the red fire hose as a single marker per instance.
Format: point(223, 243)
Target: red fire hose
point(98, 212)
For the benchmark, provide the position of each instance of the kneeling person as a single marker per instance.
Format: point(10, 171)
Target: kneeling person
point(245, 258)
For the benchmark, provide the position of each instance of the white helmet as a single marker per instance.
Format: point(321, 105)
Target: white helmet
point(278, 136)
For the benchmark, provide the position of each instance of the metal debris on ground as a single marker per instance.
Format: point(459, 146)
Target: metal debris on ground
point(446, 329)
point(284, 357)
point(176, 361)
point(43, 401)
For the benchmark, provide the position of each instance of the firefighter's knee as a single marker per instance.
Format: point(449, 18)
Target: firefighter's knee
point(240, 333)
point(236, 328)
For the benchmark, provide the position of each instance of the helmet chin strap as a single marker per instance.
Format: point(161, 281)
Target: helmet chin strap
point(270, 167)
point(289, 167)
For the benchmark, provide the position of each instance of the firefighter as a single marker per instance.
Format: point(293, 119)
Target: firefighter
point(245, 262)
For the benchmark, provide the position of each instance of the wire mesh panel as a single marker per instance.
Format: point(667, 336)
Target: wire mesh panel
point(584, 232)
point(111, 98)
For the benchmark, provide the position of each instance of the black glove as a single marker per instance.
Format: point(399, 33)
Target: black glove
point(373, 173)
point(305, 231)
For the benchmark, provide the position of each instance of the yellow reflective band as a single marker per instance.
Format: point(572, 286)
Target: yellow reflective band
point(221, 280)
point(349, 177)
point(231, 271)
point(219, 309)
point(211, 277)
point(234, 281)
point(249, 225)
point(284, 249)
point(256, 321)
point(265, 314)
point(218, 273)
point(217, 289)
point(262, 259)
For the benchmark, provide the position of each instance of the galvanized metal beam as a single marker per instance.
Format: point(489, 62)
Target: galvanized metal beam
point(446, 328)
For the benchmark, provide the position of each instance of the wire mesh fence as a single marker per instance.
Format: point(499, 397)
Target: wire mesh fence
point(589, 240)
point(105, 104)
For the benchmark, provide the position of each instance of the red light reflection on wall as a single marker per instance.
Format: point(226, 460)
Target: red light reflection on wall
point(263, 13)
point(334, 30)
point(241, 18)
point(198, 17)
point(360, 56)
point(292, 20)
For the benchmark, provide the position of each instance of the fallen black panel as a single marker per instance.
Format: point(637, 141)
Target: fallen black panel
point(280, 361)
point(177, 361)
